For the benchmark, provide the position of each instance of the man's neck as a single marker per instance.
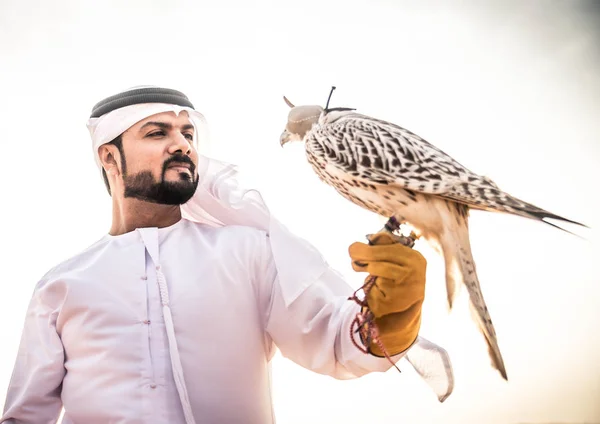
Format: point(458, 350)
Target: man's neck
point(131, 214)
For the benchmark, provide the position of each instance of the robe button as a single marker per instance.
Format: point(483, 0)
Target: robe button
point(153, 386)
point(144, 277)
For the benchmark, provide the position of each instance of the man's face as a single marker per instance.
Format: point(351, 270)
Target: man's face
point(160, 159)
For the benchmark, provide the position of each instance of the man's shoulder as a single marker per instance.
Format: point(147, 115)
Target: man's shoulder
point(229, 231)
point(230, 238)
point(79, 260)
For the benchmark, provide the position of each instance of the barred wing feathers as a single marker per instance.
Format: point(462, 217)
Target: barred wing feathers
point(385, 153)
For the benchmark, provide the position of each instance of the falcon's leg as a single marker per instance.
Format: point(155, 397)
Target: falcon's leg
point(392, 226)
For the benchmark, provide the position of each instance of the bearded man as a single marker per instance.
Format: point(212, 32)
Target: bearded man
point(174, 315)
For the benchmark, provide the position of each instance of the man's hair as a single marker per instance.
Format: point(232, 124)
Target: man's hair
point(118, 142)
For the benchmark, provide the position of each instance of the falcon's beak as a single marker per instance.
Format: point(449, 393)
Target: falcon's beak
point(284, 137)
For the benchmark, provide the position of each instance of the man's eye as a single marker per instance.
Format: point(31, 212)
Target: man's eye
point(157, 134)
point(189, 136)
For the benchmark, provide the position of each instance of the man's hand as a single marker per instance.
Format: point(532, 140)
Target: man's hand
point(397, 297)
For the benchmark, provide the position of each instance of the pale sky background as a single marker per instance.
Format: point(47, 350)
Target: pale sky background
point(511, 89)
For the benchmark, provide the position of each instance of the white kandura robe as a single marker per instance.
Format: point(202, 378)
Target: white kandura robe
point(95, 325)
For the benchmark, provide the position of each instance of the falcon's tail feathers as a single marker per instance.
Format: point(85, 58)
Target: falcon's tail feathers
point(457, 253)
point(497, 200)
point(543, 216)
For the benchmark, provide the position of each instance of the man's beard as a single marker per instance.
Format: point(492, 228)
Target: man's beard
point(144, 187)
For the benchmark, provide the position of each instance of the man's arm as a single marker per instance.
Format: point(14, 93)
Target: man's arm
point(314, 330)
point(34, 391)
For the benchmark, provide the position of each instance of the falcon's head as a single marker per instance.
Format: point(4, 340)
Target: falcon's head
point(300, 120)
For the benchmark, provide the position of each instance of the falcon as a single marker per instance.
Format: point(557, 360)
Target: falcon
point(396, 174)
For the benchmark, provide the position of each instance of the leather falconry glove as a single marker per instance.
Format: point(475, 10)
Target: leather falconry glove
point(397, 296)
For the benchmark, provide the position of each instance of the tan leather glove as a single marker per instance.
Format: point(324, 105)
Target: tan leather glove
point(397, 297)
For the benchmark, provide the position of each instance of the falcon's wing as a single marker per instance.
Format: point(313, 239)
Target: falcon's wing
point(382, 152)
point(385, 153)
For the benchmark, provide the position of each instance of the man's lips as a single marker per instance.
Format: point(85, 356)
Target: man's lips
point(179, 166)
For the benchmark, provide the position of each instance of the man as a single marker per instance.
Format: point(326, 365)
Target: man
point(175, 314)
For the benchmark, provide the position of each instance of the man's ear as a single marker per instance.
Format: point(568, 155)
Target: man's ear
point(110, 158)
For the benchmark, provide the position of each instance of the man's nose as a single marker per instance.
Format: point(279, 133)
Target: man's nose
point(180, 144)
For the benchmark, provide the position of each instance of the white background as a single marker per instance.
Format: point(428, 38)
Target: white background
point(510, 89)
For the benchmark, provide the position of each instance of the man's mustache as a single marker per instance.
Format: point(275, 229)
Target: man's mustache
point(179, 159)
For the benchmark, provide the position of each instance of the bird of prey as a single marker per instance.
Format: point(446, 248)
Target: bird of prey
point(394, 173)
